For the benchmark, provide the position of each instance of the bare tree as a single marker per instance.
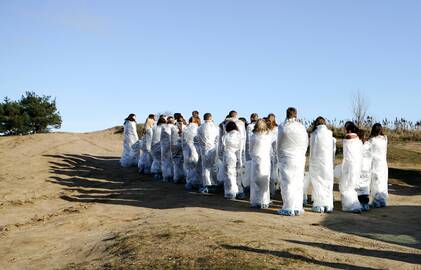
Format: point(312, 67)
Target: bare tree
point(359, 107)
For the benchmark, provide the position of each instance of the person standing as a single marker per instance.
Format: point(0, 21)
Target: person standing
point(166, 155)
point(208, 141)
point(351, 169)
point(322, 154)
point(260, 149)
point(128, 157)
point(145, 161)
point(379, 168)
point(232, 162)
point(191, 154)
point(292, 147)
point(156, 148)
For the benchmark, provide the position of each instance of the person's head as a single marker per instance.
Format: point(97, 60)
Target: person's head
point(149, 121)
point(260, 126)
point(207, 117)
point(291, 113)
point(170, 120)
point(230, 126)
point(254, 117)
point(233, 114)
point(194, 120)
point(195, 114)
point(177, 116)
point(319, 121)
point(271, 121)
point(131, 117)
point(376, 130)
point(161, 120)
point(350, 127)
point(244, 120)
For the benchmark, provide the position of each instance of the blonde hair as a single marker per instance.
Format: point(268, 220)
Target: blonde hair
point(149, 123)
point(261, 126)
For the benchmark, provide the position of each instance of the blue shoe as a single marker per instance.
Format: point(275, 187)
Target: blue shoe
point(356, 211)
point(318, 209)
point(204, 190)
point(230, 197)
point(264, 206)
point(255, 206)
point(241, 196)
point(288, 213)
point(365, 207)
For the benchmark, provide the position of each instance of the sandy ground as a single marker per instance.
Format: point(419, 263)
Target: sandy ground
point(66, 204)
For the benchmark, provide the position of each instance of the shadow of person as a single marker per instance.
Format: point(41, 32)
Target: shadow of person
point(383, 254)
point(100, 179)
point(287, 254)
point(399, 224)
point(404, 182)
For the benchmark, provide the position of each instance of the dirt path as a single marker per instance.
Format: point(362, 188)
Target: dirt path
point(66, 203)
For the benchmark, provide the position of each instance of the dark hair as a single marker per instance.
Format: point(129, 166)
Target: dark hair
point(291, 113)
point(319, 121)
point(195, 120)
point(195, 113)
point(376, 130)
point(170, 120)
point(177, 116)
point(161, 120)
point(151, 116)
point(207, 116)
point(254, 117)
point(350, 127)
point(271, 123)
point(232, 113)
point(131, 117)
point(230, 126)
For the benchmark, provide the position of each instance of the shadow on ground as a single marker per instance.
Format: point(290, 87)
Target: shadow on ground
point(100, 179)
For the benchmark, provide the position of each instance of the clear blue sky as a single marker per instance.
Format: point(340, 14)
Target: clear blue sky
point(105, 59)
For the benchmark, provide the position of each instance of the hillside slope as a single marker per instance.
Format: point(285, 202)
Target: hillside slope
point(65, 203)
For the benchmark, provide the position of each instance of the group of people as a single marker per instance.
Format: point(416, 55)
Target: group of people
point(260, 158)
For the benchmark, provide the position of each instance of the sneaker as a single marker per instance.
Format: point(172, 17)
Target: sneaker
point(318, 209)
point(264, 206)
point(256, 206)
point(298, 212)
point(230, 197)
point(241, 196)
point(204, 190)
point(289, 213)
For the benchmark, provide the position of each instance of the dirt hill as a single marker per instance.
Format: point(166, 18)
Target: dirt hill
point(65, 203)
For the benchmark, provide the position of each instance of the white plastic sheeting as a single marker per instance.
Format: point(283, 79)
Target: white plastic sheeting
point(208, 141)
point(191, 156)
point(145, 161)
point(274, 162)
point(248, 164)
point(379, 171)
point(321, 167)
point(156, 150)
point(260, 150)
point(350, 175)
point(128, 157)
point(363, 186)
point(243, 135)
point(292, 147)
point(166, 155)
point(177, 152)
point(232, 164)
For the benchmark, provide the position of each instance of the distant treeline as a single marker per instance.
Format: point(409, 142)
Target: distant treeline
point(31, 114)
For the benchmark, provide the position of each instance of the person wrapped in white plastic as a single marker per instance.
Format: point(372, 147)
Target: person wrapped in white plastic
point(128, 157)
point(208, 141)
point(351, 169)
point(192, 166)
point(363, 186)
point(232, 116)
point(156, 148)
point(274, 167)
point(379, 168)
point(292, 147)
point(177, 148)
point(232, 162)
point(166, 154)
point(322, 154)
point(260, 149)
point(249, 132)
point(145, 161)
